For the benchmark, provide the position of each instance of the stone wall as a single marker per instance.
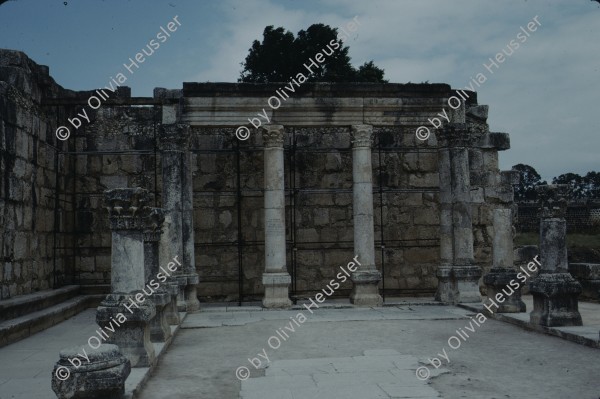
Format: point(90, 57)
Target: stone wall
point(32, 199)
point(581, 217)
point(119, 148)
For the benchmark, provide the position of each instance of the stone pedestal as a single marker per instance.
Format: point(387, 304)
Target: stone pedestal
point(446, 288)
point(160, 331)
point(102, 377)
point(588, 275)
point(276, 278)
point(555, 292)
point(502, 272)
point(130, 320)
point(178, 238)
point(365, 290)
point(127, 310)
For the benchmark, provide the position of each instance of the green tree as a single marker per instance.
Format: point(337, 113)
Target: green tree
point(576, 183)
point(529, 180)
point(281, 56)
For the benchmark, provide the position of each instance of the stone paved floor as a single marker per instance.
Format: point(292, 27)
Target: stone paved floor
point(335, 353)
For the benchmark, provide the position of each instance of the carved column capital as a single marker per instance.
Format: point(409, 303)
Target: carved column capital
point(272, 135)
point(552, 200)
point(127, 207)
point(174, 137)
point(153, 224)
point(455, 135)
point(361, 135)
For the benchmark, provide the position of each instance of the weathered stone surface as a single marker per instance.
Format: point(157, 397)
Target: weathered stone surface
point(555, 292)
point(103, 376)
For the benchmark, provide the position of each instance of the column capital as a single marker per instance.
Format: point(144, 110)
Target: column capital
point(361, 135)
point(127, 207)
point(272, 135)
point(455, 135)
point(174, 137)
point(552, 200)
point(153, 224)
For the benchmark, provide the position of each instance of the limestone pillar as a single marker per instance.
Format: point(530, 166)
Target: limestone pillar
point(460, 282)
point(445, 289)
point(189, 262)
point(503, 270)
point(160, 331)
point(365, 289)
point(276, 278)
point(127, 310)
point(174, 141)
point(555, 292)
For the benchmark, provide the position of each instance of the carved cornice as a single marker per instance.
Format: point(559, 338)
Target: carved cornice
point(361, 135)
point(174, 137)
point(272, 135)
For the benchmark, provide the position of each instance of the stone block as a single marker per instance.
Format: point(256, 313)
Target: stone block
point(102, 376)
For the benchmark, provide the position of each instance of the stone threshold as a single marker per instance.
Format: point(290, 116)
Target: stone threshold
point(140, 375)
point(583, 335)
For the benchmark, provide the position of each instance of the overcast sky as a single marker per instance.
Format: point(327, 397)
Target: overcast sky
point(545, 94)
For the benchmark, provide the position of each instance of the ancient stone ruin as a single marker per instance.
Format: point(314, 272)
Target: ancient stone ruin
point(428, 229)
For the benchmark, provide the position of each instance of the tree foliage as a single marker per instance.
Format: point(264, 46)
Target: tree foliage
point(529, 180)
point(281, 56)
point(580, 187)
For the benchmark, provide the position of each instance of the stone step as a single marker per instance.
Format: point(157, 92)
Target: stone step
point(24, 326)
point(25, 304)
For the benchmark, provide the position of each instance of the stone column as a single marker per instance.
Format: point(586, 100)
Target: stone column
point(503, 270)
point(160, 331)
point(460, 282)
point(174, 141)
point(365, 289)
point(189, 262)
point(555, 292)
point(126, 309)
point(276, 278)
point(446, 288)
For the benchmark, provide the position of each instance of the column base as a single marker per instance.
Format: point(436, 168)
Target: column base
point(181, 283)
point(446, 290)
point(276, 290)
point(365, 289)
point(191, 296)
point(160, 331)
point(102, 376)
point(555, 300)
point(171, 311)
point(497, 282)
point(131, 328)
point(467, 283)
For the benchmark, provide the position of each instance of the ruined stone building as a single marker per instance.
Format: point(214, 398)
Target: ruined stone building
point(432, 200)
